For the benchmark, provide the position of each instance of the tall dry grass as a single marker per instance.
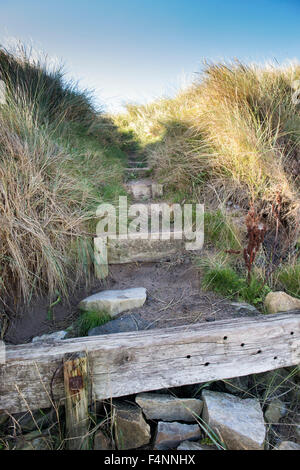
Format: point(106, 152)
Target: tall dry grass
point(54, 171)
point(235, 133)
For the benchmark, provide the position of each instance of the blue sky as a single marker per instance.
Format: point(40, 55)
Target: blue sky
point(136, 50)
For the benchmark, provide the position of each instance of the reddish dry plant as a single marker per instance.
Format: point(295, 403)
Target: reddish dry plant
point(256, 231)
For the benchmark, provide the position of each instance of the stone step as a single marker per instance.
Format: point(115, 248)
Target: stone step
point(135, 157)
point(145, 189)
point(114, 301)
point(138, 172)
point(141, 247)
point(136, 164)
point(151, 209)
point(138, 249)
point(166, 407)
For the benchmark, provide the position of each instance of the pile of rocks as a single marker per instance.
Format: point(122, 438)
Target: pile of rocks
point(182, 423)
point(214, 421)
point(233, 414)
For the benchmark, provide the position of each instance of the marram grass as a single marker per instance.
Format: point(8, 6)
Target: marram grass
point(54, 171)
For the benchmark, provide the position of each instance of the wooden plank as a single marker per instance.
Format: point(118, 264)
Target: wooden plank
point(126, 363)
point(100, 254)
point(77, 400)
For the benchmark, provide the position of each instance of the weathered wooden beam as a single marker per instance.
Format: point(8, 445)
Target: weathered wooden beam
point(77, 400)
point(126, 363)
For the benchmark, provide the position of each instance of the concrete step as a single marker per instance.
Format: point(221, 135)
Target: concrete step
point(137, 249)
point(144, 246)
point(138, 172)
point(145, 189)
point(147, 211)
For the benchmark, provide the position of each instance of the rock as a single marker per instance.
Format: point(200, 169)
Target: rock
point(36, 419)
point(190, 445)
point(34, 441)
point(131, 429)
point(170, 435)
point(120, 325)
point(239, 423)
point(56, 336)
point(169, 408)
point(101, 442)
point(280, 302)
point(275, 411)
point(115, 301)
point(245, 308)
point(288, 445)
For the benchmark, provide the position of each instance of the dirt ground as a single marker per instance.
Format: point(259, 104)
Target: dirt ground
point(174, 298)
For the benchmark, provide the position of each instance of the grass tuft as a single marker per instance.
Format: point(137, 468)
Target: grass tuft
point(221, 231)
point(222, 276)
point(91, 319)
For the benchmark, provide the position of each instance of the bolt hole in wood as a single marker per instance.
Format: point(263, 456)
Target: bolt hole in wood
point(225, 337)
point(206, 364)
point(188, 356)
point(259, 351)
point(292, 332)
point(108, 354)
point(242, 345)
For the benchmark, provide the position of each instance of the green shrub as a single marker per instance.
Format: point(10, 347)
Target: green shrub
point(255, 292)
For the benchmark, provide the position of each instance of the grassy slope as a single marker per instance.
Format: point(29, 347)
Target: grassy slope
point(237, 127)
point(234, 135)
point(59, 158)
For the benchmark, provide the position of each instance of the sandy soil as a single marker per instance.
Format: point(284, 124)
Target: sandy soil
point(174, 297)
